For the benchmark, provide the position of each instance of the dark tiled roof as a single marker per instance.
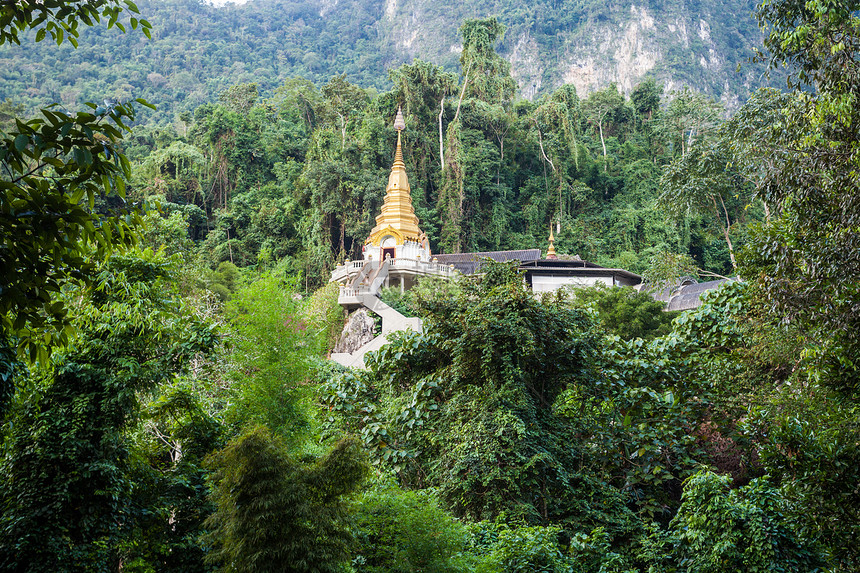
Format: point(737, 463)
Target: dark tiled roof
point(470, 263)
point(550, 267)
point(689, 296)
point(560, 264)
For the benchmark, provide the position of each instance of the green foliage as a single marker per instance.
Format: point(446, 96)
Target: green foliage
point(67, 497)
point(467, 407)
point(621, 311)
point(745, 529)
point(404, 531)
point(701, 180)
point(60, 18)
point(325, 315)
point(812, 456)
point(272, 356)
point(55, 167)
point(804, 260)
point(397, 300)
point(274, 513)
point(521, 549)
point(176, 431)
point(488, 75)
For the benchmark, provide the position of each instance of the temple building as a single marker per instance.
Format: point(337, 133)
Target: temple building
point(397, 253)
point(396, 234)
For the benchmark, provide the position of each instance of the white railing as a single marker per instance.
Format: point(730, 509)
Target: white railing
point(352, 292)
point(349, 269)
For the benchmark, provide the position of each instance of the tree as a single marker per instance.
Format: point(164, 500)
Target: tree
point(469, 407)
point(60, 18)
point(67, 497)
point(599, 108)
point(689, 117)
point(646, 97)
point(487, 78)
point(702, 180)
point(487, 75)
point(806, 260)
point(274, 513)
point(423, 87)
point(722, 530)
point(274, 350)
point(53, 170)
point(626, 313)
point(343, 99)
point(240, 98)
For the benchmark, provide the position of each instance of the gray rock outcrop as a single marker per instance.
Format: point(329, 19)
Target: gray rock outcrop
point(360, 329)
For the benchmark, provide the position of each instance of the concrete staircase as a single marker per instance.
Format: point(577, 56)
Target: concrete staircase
point(392, 320)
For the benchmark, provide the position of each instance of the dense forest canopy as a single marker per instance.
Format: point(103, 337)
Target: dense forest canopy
point(197, 50)
point(165, 396)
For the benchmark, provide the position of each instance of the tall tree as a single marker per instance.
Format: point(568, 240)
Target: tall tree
point(703, 180)
point(67, 497)
point(487, 75)
point(274, 513)
point(599, 109)
point(806, 259)
point(689, 117)
point(53, 170)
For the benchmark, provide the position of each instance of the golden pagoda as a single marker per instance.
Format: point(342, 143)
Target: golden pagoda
point(396, 233)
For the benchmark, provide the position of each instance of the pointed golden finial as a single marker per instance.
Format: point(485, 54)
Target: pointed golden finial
point(399, 125)
point(550, 254)
point(397, 218)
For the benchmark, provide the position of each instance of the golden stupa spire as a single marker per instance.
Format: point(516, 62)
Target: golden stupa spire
point(398, 217)
point(550, 254)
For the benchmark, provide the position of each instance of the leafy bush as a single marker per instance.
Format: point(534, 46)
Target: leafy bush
point(724, 530)
point(405, 531)
point(273, 356)
point(521, 550)
point(626, 313)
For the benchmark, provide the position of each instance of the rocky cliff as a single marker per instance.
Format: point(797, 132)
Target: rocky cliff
point(694, 43)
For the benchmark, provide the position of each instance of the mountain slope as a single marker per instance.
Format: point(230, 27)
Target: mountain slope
point(198, 50)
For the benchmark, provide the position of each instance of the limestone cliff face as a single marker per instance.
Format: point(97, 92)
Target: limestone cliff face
point(699, 44)
point(610, 53)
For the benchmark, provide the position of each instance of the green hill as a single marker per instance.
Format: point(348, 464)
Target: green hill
point(198, 50)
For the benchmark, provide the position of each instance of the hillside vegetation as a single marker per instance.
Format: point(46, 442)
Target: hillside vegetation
point(165, 318)
point(198, 50)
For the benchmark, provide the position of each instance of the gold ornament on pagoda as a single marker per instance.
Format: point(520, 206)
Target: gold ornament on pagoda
point(550, 254)
point(398, 218)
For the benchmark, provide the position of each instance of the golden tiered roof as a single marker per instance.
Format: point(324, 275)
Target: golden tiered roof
point(398, 218)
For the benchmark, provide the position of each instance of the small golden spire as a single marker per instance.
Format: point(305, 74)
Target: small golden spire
point(550, 254)
point(398, 154)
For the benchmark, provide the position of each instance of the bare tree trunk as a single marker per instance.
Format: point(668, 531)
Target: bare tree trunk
point(441, 144)
point(725, 228)
point(540, 142)
point(462, 93)
point(501, 159)
point(602, 142)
